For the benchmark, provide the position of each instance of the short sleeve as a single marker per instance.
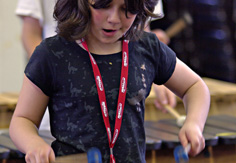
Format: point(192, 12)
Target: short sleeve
point(31, 8)
point(166, 62)
point(39, 69)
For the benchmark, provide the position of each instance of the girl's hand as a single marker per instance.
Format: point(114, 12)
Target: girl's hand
point(163, 96)
point(39, 152)
point(191, 133)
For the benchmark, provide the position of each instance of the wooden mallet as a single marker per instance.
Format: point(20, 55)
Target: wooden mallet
point(179, 118)
point(179, 25)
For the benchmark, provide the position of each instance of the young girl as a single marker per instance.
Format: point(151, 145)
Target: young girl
point(94, 76)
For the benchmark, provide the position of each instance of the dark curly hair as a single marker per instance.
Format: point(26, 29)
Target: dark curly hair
point(73, 16)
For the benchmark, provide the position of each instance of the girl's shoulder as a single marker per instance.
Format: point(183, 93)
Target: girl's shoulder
point(148, 35)
point(147, 39)
point(56, 46)
point(56, 40)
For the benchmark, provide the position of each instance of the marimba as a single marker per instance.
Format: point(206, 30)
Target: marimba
point(223, 101)
point(160, 135)
point(7, 105)
point(8, 100)
point(220, 130)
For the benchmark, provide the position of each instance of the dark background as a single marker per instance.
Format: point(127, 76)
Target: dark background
point(208, 45)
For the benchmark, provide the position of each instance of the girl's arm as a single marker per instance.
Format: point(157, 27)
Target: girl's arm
point(196, 98)
point(26, 119)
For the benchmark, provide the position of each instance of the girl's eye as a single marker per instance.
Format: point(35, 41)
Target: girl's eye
point(133, 12)
point(100, 6)
point(124, 9)
point(105, 6)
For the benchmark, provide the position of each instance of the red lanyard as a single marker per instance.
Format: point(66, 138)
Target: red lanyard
point(102, 96)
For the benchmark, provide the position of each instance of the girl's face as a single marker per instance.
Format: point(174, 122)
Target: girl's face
point(110, 23)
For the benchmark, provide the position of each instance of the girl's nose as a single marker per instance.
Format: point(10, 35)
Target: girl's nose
point(114, 16)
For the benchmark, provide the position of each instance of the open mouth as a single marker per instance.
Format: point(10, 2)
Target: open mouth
point(109, 30)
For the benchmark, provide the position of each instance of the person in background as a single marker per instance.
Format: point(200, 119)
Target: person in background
point(38, 23)
point(94, 74)
point(162, 36)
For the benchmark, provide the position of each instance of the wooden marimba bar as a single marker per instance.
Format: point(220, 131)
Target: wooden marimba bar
point(9, 99)
point(7, 105)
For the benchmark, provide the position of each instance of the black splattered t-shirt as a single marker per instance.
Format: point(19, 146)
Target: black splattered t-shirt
point(62, 70)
